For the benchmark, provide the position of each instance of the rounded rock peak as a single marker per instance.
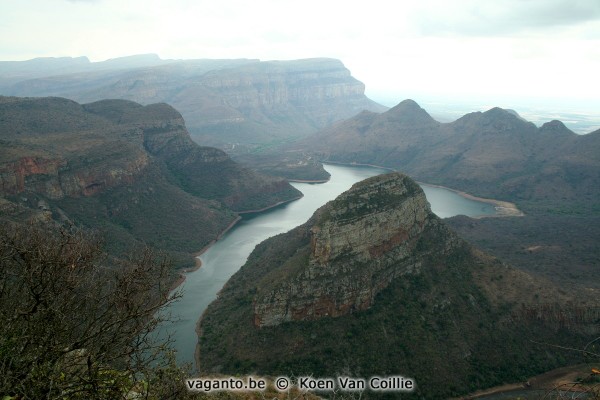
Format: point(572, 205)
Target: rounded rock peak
point(555, 127)
point(410, 112)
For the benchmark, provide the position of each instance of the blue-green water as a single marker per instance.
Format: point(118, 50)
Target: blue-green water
point(446, 203)
point(226, 256)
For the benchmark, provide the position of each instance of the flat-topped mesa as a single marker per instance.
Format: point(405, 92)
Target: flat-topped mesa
point(283, 81)
point(358, 244)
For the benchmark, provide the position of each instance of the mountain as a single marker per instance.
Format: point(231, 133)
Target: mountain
point(15, 71)
point(375, 284)
point(225, 103)
point(491, 154)
point(128, 170)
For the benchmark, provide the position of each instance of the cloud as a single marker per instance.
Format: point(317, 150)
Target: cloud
point(546, 47)
point(501, 18)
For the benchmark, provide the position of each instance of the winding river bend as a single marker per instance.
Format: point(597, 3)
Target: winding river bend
point(227, 255)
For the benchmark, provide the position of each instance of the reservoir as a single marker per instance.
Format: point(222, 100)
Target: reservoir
point(227, 255)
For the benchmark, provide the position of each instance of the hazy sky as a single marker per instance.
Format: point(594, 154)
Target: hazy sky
point(543, 48)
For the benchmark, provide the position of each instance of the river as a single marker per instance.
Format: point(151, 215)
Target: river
point(227, 255)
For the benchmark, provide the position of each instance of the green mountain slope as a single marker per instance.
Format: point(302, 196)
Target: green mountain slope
point(127, 169)
point(491, 154)
point(375, 284)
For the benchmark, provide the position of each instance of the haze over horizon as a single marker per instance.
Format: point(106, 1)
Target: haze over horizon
point(505, 53)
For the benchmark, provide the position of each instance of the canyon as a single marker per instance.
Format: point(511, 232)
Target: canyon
point(123, 168)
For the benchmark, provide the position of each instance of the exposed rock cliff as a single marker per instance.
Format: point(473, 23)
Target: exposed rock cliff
point(57, 148)
point(54, 179)
point(359, 243)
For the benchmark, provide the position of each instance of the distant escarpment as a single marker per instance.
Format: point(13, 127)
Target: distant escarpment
point(226, 103)
point(491, 154)
point(375, 284)
point(129, 170)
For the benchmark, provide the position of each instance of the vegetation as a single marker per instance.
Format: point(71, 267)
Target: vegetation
point(289, 165)
point(75, 326)
point(129, 170)
point(493, 154)
point(150, 211)
point(453, 326)
point(563, 249)
point(78, 324)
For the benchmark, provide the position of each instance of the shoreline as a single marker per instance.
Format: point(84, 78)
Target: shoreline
point(503, 208)
point(309, 180)
point(355, 164)
point(269, 207)
point(562, 378)
point(198, 263)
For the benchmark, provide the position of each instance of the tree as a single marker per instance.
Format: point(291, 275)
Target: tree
point(76, 323)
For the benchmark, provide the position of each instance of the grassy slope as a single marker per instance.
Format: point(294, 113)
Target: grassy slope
point(563, 249)
point(450, 327)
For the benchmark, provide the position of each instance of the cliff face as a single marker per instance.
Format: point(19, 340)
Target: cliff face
point(359, 243)
point(55, 179)
point(278, 82)
point(226, 102)
point(276, 88)
point(57, 148)
point(124, 166)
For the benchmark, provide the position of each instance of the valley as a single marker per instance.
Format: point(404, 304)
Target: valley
point(299, 200)
point(315, 295)
point(128, 171)
point(405, 281)
point(228, 254)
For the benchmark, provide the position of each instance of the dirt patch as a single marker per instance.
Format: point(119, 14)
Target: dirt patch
point(567, 379)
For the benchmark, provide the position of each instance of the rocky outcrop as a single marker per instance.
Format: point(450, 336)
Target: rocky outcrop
point(359, 243)
point(56, 178)
point(13, 175)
